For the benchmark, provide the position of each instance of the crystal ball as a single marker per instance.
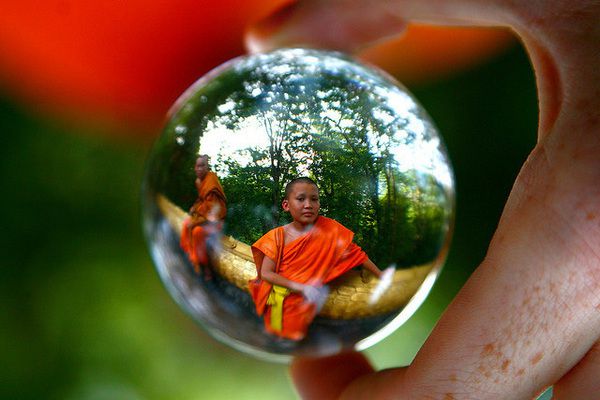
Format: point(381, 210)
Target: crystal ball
point(298, 202)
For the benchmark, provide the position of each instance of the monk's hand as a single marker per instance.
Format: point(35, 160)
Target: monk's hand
point(365, 275)
point(197, 221)
point(529, 316)
point(315, 294)
point(386, 277)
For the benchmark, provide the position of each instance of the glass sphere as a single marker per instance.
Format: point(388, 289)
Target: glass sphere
point(380, 197)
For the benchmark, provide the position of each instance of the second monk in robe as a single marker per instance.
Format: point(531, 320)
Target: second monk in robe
point(206, 215)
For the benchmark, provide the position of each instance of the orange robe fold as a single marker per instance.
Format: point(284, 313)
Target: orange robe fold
point(321, 255)
point(205, 216)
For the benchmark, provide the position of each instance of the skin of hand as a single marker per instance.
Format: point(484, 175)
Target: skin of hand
point(543, 264)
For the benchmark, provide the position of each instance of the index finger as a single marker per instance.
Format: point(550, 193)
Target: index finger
point(351, 25)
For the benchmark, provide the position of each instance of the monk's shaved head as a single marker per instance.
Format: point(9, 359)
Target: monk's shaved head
point(303, 179)
point(201, 167)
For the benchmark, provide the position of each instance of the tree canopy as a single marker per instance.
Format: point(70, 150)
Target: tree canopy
point(374, 154)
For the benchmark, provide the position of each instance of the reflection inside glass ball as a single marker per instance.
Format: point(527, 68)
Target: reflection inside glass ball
point(298, 202)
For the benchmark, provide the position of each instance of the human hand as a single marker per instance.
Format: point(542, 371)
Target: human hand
point(315, 294)
point(386, 277)
point(195, 221)
point(529, 316)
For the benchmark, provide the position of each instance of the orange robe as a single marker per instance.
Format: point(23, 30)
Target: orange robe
point(322, 254)
point(210, 206)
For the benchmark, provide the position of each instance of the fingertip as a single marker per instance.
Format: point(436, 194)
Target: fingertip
point(327, 378)
point(330, 25)
point(252, 44)
point(262, 36)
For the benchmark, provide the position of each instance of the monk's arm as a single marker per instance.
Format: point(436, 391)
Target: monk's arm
point(268, 274)
point(196, 220)
point(370, 265)
point(215, 207)
point(212, 208)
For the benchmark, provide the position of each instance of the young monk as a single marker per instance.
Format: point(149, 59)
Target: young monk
point(206, 215)
point(292, 261)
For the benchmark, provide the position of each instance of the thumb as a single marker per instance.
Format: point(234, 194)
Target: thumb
point(326, 378)
point(346, 376)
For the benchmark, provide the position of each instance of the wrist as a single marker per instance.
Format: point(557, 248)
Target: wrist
point(299, 288)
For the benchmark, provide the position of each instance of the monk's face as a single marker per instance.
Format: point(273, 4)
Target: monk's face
point(303, 203)
point(201, 167)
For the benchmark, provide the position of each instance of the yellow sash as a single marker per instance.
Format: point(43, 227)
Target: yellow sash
point(275, 300)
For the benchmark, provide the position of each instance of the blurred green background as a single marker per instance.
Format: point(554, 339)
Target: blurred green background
point(84, 313)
